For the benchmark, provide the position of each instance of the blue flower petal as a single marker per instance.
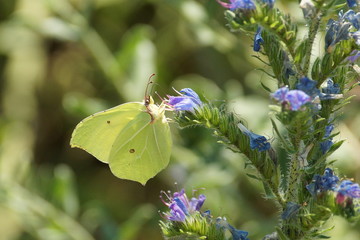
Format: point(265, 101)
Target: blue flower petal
point(188, 101)
point(238, 234)
point(192, 94)
point(296, 99)
point(351, 3)
point(331, 87)
point(337, 31)
point(176, 213)
point(326, 145)
point(308, 86)
point(280, 94)
point(258, 40)
point(348, 189)
point(354, 56)
point(269, 3)
point(353, 18)
point(238, 4)
point(327, 182)
point(180, 206)
point(256, 141)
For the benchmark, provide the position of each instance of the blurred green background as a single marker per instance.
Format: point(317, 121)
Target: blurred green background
point(62, 60)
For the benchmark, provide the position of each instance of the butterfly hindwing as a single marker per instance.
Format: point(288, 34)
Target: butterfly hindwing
point(142, 149)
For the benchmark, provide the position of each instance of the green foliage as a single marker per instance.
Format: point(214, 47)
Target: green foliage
point(225, 126)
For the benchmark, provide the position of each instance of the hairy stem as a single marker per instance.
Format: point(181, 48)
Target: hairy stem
point(225, 125)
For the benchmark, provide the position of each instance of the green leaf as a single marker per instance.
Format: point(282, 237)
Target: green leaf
point(265, 87)
point(253, 176)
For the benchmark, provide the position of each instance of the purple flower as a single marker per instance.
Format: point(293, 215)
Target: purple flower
point(280, 94)
point(294, 98)
point(180, 206)
point(192, 94)
point(187, 101)
point(297, 99)
point(176, 213)
point(347, 189)
point(258, 40)
point(256, 141)
point(238, 4)
point(323, 183)
point(351, 3)
point(236, 234)
point(354, 56)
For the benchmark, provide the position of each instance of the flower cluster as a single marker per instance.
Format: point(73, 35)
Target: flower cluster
point(187, 101)
point(238, 4)
point(347, 26)
point(344, 190)
point(307, 91)
point(323, 183)
point(291, 99)
point(180, 206)
point(185, 216)
point(246, 5)
point(347, 189)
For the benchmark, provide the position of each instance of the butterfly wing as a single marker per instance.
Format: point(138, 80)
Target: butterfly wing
point(142, 149)
point(96, 134)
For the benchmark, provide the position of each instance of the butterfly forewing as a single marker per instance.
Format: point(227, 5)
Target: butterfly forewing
point(96, 134)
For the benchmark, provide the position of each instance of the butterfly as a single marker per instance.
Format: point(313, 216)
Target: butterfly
point(133, 138)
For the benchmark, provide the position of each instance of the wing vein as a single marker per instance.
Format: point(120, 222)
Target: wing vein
point(157, 145)
point(133, 136)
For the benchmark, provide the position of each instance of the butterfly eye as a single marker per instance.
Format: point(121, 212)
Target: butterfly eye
point(147, 100)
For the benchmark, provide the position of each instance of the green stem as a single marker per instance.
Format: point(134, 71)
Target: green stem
point(294, 171)
point(314, 26)
point(292, 193)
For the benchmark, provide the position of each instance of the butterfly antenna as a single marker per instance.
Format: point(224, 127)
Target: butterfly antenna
point(146, 96)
